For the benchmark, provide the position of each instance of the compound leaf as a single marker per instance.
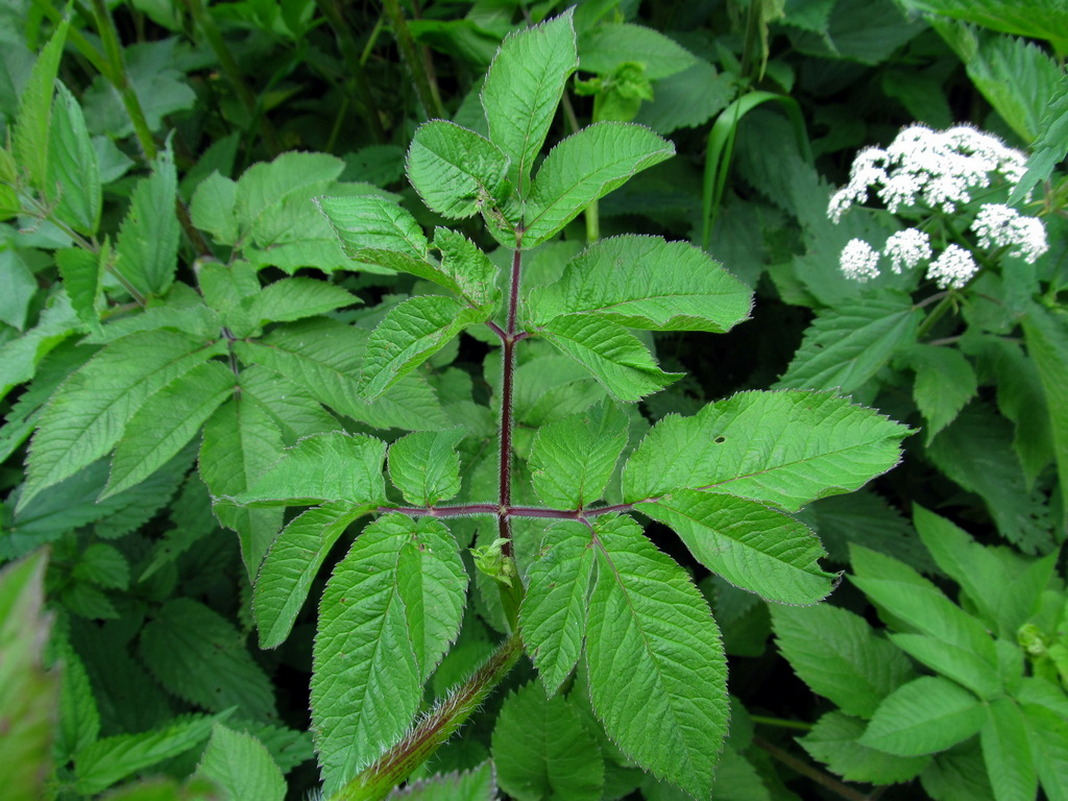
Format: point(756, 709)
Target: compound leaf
point(291, 564)
point(649, 623)
point(166, 422)
point(645, 282)
point(614, 356)
point(585, 167)
point(782, 448)
point(750, 545)
point(389, 611)
point(90, 410)
point(553, 614)
point(523, 88)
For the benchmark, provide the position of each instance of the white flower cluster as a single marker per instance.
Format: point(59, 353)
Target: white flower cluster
point(939, 169)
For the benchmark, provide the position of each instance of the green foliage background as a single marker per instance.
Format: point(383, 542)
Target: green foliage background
point(241, 256)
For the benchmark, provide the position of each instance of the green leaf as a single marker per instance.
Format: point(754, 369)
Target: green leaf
point(88, 413)
point(585, 167)
point(1037, 19)
point(265, 189)
point(198, 655)
point(79, 717)
point(1005, 596)
point(368, 224)
point(390, 609)
point(945, 382)
point(523, 88)
point(688, 98)
point(645, 282)
point(649, 623)
point(112, 759)
point(20, 356)
point(28, 693)
point(82, 274)
point(35, 110)
point(1007, 751)
point(1049, 148)
point(147, 244)
point(781, 448)
point(411, 333)
point(605, 47)
point(425, 466)
point(296, 298)
point(976, 452)
point(612, 355)
point(956, 643)
point(239, 764)
point(925, 716)
point(240, 442)
point(103, 565)
point(833, 741)
point(1046, 335)
point(572, 460)
point(1050, 733)
point(469, 271)
point(750, 545)
point(291, 565)
point(322, 469)
point(542, 750)
point(838, 655)
point(72, 185)
point(166, 422)
point(212, 208)
point(324, 357)
point(455, 170)
point(553, 613)
point(20, 284)
point(844, 347)
point(477, 784)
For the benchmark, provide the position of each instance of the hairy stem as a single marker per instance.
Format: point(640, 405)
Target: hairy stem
point(393, 767)
point(508, 377)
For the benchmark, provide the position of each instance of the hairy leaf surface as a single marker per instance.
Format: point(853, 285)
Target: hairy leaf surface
point(782, 448)
point(455, 170)
point(647, 622)
point(73, 183)
point(645, 282)
point(553, 614)
point(369, 222)
point(147, 244)
point(390, 609)
point(425, 466)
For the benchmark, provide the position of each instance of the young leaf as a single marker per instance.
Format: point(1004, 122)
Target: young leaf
point(166, 422)
point(572, 460)
point(425, 466)
point(112, 759)
point(585, 167)
point(147, 244)
point(73, 183)
point(614, 356)
point(35, 109)
point(522, 89)
point(750, 545)
point(291, 564)
point(542, 749)
point(780, 448)
point(837, 654)
point(843, 348)
point(833, 741)
point(323, 469)
point(198, 655)
point(411, 333)
point(88, 413)
point(241, 766)
point(240, 442)
point(645, 282)
point(648, 623)
point(927, 715)
point(455, 170)
point(553, 614)
point(389, 611)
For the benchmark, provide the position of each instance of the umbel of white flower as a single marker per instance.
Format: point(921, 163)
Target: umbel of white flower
point(924, 171)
